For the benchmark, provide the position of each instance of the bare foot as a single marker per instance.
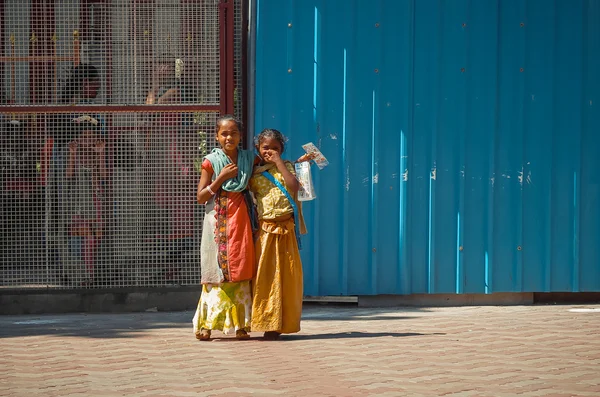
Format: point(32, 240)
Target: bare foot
point(204, 334)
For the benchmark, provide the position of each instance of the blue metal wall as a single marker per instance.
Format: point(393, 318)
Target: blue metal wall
point(463, 137)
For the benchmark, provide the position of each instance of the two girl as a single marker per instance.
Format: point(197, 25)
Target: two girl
point(227, 302)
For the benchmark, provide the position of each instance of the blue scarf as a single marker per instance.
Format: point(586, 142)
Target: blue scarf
point(245, 162)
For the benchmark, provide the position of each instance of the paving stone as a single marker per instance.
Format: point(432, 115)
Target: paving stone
point(341, 351)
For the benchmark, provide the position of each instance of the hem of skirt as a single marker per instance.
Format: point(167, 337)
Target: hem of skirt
point(272, 329)
point(226, 331)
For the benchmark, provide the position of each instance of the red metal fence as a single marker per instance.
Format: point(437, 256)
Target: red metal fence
point(105, 109)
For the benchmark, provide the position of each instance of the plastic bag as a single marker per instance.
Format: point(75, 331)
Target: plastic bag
point(307, 190)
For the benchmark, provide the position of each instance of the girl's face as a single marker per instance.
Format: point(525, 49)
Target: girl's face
point(268, 146)
point(228, 135)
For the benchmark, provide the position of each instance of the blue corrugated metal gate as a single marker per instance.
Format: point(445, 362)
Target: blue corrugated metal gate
point(463, 139)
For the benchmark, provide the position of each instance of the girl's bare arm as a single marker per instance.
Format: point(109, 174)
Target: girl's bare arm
point(204, 195)
point(206, 186)
point(290, 179)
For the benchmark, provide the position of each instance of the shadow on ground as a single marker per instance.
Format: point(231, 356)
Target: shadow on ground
point(348, 335)
point(119, 325)
point(337, 335)
point(131, 325)
point(356, 318)
point(344, 312)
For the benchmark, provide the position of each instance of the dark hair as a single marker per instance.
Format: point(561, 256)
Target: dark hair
point(228, 117)
point(72, 89)
point(273, 134)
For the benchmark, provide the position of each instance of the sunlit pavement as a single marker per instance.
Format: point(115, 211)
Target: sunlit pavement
point(549, 350)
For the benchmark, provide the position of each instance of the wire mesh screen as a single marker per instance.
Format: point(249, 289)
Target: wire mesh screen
point(237, 71)
point(107, 108)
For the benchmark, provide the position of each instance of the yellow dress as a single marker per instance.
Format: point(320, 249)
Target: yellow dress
point(225, 307)
point(277, 289)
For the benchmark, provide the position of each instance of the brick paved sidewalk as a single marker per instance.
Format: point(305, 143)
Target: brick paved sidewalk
point(341, 351)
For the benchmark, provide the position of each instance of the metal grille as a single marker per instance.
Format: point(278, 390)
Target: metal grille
point(107, 108)
point(237, 71)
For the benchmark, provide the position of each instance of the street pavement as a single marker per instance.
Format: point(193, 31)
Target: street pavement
point(540, 350)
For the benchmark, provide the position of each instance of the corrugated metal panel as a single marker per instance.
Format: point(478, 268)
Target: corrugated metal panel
point(463, 137)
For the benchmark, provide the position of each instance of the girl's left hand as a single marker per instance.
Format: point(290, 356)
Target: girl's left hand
point(306, 157)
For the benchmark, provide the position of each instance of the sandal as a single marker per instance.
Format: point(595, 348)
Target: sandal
point(271, 335)
point(204, 334)
point(241, 334)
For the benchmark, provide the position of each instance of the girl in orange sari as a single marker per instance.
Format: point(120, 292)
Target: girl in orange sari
point(227, 249)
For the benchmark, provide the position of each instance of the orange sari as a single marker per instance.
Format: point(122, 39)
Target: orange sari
point(228, 265)
point(233, 232)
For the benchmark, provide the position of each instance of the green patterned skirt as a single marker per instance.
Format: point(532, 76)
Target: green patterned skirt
point(226, 307)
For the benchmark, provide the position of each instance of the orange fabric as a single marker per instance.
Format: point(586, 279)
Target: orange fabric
point(240, 245)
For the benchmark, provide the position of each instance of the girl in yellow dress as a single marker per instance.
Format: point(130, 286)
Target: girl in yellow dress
point(277, 295)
